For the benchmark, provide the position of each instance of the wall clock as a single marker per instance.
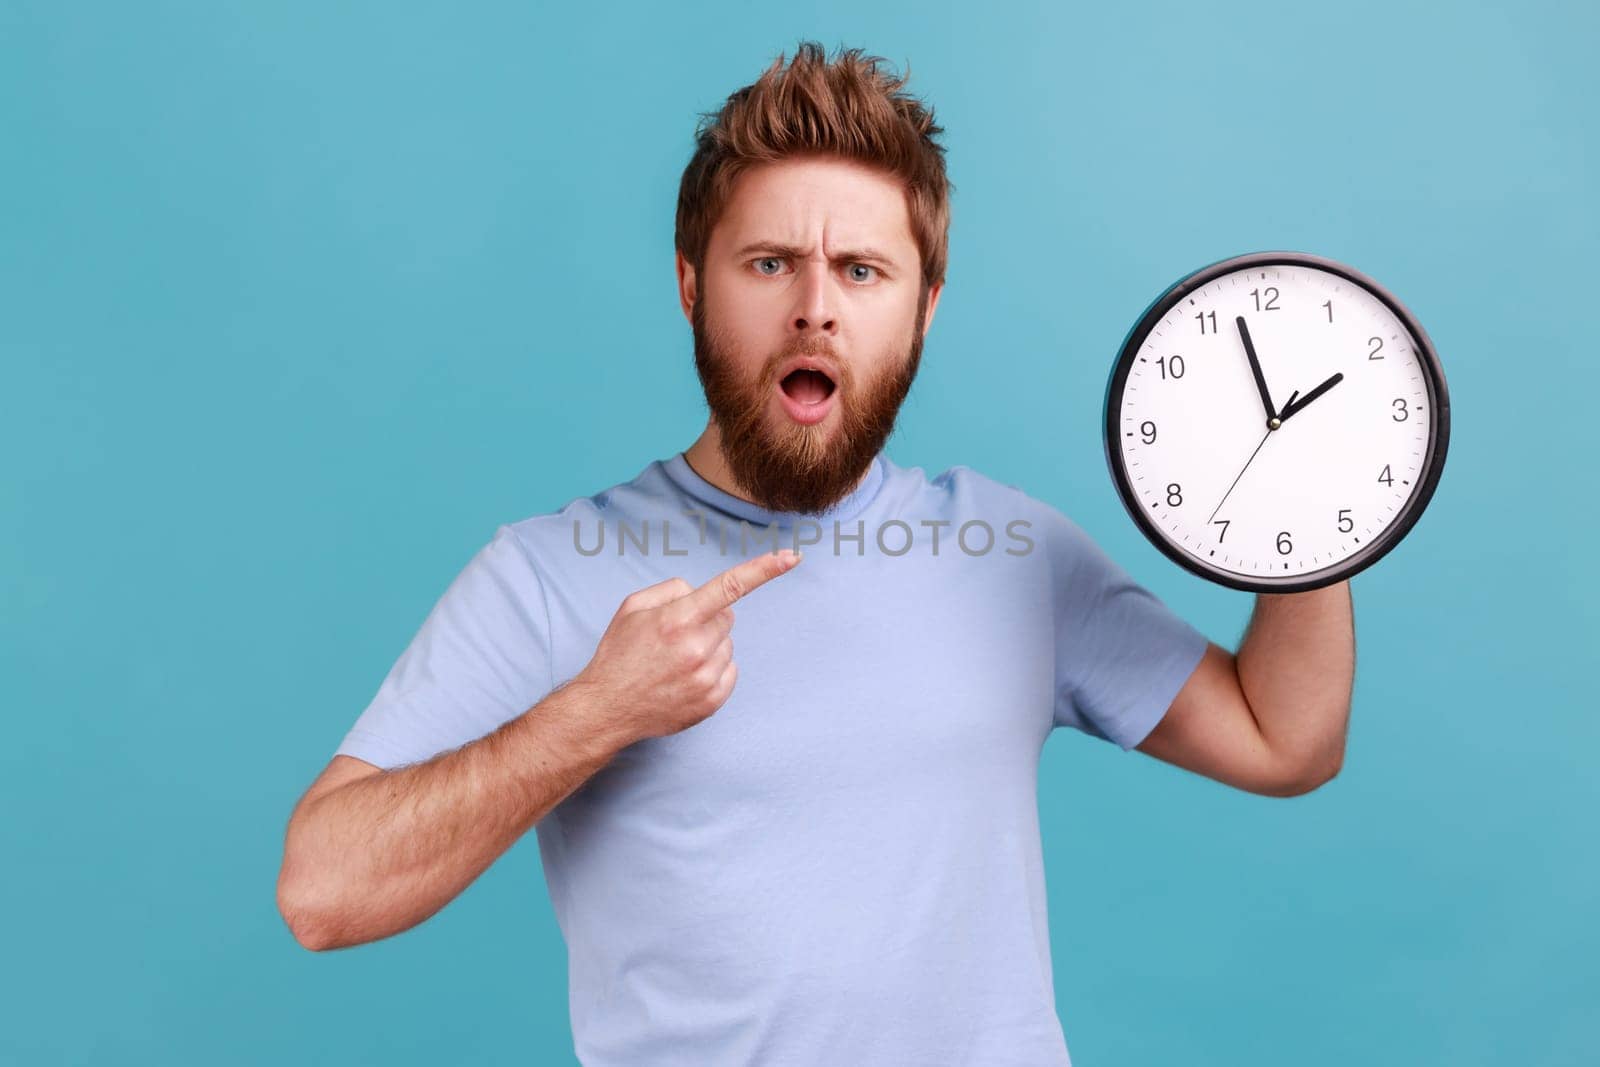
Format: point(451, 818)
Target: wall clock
point(1276, 422)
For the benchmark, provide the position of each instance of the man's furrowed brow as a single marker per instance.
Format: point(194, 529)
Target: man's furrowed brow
point(853, 255)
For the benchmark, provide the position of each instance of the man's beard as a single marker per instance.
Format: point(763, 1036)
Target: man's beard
point(783, 465)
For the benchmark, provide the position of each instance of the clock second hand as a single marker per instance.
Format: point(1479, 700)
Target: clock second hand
point(1240, 475)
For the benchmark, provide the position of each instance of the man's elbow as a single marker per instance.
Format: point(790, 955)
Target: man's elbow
point(302, 920)
point(1309, 776)
point(310, 936)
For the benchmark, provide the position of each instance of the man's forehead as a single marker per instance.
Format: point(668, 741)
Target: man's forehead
point(793, 202)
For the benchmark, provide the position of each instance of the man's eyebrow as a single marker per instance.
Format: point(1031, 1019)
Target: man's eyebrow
point(855, 255)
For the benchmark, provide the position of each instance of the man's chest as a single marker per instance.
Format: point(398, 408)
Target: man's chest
point(897, 674)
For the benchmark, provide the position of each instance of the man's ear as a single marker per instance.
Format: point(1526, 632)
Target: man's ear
point(933, 302)
point(688, 289)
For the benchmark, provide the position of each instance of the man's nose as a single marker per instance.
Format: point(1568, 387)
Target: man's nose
point(815, 301)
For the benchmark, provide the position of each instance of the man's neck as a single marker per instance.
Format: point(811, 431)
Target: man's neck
point(705, 459)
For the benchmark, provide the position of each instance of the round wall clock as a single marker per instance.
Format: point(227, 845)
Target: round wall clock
point(1276, 422)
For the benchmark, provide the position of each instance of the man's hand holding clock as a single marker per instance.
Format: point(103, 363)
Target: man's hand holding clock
point(1182, 407)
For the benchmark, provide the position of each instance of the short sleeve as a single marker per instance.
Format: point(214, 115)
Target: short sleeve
point(481, 658)
point(1121, 654)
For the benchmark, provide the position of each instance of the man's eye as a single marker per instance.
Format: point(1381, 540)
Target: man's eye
point(861, 266)
point(767, 259)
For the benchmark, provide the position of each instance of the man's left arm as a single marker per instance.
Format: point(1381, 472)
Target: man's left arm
point(1273, 717)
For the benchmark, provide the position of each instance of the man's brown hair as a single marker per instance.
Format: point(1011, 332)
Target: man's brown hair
point(846, 108)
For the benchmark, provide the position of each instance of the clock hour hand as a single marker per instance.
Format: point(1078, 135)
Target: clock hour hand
point(1291, 407)
point(1255, 368)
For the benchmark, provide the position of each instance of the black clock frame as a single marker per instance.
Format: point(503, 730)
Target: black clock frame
point(1393, 534)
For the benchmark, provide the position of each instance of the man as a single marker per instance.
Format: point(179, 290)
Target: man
point(825, 851)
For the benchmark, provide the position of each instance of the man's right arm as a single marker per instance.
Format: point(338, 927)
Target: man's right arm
point(370, 853)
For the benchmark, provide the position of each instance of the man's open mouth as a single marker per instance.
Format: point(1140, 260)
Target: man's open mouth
point(807, 395)
point(807, 386)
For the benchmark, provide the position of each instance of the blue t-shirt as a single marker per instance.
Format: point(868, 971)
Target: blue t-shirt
point(842, 864)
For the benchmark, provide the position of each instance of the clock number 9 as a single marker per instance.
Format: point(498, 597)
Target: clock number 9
point(1148, 429)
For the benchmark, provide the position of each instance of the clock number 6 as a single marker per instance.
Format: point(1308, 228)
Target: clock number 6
point(1285, 546)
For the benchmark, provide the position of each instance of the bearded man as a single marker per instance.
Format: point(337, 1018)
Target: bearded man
point(837, 860)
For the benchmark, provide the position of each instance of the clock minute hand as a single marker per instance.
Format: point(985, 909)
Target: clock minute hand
point(1255, 368)
point(1292, 407)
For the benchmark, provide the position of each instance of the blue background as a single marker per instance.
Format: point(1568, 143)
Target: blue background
point(299, 302)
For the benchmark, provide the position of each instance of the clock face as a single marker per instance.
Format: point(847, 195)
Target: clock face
point(1276, 422)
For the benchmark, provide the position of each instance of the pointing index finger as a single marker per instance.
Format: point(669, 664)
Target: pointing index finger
point(723, 589)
